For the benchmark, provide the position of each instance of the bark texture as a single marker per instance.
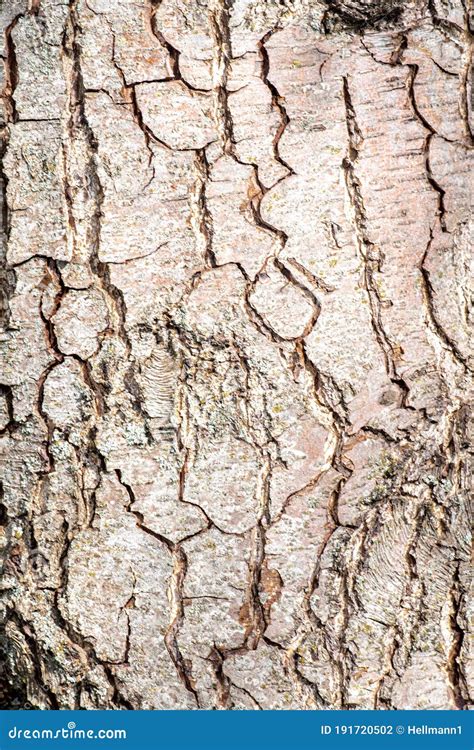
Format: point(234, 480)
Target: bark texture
point(235, 375)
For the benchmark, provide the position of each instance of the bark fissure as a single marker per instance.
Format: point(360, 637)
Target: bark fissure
point(370, 254)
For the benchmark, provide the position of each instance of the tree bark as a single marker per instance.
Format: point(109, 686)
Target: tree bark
point(236, 376)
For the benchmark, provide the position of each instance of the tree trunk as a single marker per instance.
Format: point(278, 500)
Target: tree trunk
point(235, 374)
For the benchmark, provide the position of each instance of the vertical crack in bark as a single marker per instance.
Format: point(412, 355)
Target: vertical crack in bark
point(173, 53)
point(130, 97)
point(413, 72)
point(445, 341)
point(81, 145)
point(129, 604)
point(369, 254)
point(337, 426)
point(467, 81)
point(200, 215)
point(456, 677)
point(222, 56)
point(313, 622)
point(10, 71)
point(6, 391)
point(255, 610)
point(86, 648)
point(218, 19)
point(58, 358)
point(435, 327)
point(351, 572)
point(216, 658)
point(411, 601)
point(456, 469)
point(180, 564)
point(219, 24)
point(6, 281)
point(175, 592)
point(277, 103)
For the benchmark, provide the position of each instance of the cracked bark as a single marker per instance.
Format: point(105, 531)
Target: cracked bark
point(236, 374)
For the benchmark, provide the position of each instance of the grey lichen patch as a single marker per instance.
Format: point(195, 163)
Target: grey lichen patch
point(261, 18)
point(33, 165)
point(37, 43)
point(67, 399)
point(386, 472)
point(81, 317)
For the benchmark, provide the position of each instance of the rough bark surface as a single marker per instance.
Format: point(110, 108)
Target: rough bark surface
point(235, 375)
